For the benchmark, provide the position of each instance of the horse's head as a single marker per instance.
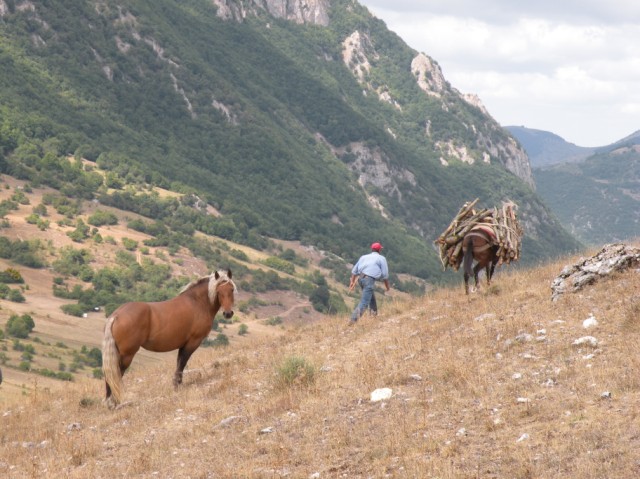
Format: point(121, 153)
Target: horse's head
point(225, 289)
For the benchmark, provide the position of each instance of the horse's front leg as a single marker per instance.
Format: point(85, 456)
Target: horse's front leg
point(184, 353)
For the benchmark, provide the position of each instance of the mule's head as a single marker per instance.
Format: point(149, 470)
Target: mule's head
point(225, 291)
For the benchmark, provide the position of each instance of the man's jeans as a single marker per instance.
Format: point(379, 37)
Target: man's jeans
point(368, 299)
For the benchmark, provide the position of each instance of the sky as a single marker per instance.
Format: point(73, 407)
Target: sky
point(570, 67)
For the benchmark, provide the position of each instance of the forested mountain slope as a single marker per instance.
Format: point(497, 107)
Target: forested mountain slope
point(315, 124)
point(598, 198)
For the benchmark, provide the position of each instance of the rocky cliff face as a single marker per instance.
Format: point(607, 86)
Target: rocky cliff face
point(503, 148)
point(299, 11)
point(491, 142)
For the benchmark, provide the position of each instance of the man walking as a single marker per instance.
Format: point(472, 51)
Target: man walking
point(370, 268)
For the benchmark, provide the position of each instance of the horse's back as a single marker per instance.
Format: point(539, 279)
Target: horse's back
point(160, 326)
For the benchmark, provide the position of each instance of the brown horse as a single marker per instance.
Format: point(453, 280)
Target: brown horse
point(180, 323)
point(478, 244)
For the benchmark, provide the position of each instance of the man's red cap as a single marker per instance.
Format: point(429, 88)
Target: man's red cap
point(376, 246)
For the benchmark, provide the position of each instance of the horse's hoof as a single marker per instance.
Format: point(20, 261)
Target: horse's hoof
point(111, 403)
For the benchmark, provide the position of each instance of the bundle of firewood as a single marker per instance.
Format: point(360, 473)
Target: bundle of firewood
point(501, 221)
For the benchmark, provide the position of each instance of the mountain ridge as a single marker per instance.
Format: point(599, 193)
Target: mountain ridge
point(266, 121)
point(545, 148)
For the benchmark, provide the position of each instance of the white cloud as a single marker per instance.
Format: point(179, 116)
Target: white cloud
point(569, 67)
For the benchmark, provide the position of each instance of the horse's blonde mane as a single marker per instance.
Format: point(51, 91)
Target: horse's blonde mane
point(223, 277)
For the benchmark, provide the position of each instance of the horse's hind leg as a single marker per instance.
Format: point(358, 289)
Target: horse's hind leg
point(488, 271)
point(124, 364)
point(183, 356)
point(491, 267)
point(476, 270)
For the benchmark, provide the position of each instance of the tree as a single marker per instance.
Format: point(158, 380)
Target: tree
point(101, 217)
point(19, 326)
point(80, 233)
point(320, 298)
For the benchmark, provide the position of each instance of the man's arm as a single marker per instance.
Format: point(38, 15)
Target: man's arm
point(386, 284)
point(352, 282)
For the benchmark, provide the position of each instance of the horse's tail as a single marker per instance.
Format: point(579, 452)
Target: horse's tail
point(467, 262)
point(111, 363)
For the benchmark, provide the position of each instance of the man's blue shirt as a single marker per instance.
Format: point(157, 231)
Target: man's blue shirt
point(372, 264)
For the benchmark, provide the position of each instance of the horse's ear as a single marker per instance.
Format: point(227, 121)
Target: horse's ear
point(216, 275)
point(229, 273)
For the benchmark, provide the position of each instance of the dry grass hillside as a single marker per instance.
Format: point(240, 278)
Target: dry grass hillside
point(485, 386)
point(60, 336)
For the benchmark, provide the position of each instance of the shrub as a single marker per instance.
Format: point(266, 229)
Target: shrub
point(101, 218)
point(129, 244)
point(239, 254)
point(71, 262)
point(280, 264)
point(80, 233)
point(320, 298)
point(43, 224)
point(295, 371)
point(19, 326)
point(243, 329)
point(33, 219)
point(16, 296)
point(220, 341)
point(273, 321)
point(73, 310)
point(92, 357)
point(40, 210)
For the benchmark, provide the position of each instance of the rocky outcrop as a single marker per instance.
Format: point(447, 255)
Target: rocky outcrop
point(610, 259)
point(474, 100)
point(504, 149)
point(356, 50)
point(358, 54)
point(299, 11)
point(428, 75)
point(373, 168)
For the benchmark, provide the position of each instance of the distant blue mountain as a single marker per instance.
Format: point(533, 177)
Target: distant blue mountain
point(545, 148)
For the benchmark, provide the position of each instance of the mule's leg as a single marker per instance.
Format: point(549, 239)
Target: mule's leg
point(476, 270)
point(467, 261)
point(184, 353)
point(493, 267)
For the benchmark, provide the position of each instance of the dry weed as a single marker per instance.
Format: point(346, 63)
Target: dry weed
point(486, 386)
